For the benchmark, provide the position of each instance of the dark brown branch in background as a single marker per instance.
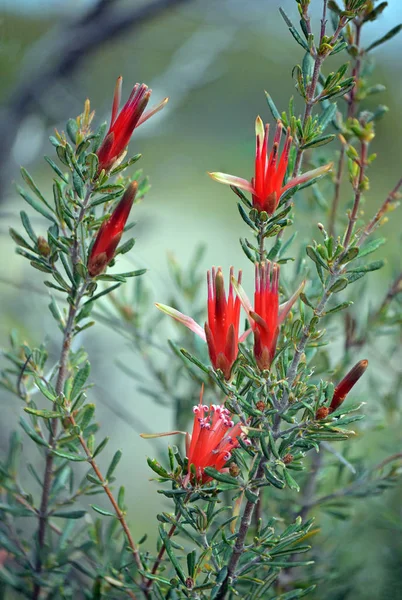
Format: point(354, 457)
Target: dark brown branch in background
point(71, 46)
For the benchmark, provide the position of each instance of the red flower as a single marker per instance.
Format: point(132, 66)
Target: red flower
point(221, 332)
point(267, 186)
point(344, 387)
point(214, 437)
point(222, 329)
point(123, 124)
point(267, 315)
point(110, 232)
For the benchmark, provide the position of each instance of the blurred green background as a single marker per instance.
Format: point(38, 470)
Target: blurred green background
point(214, 60)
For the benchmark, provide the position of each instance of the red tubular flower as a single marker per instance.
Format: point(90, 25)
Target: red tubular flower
point(221, 332)
point(214, 437)
point(222, 329)
point(267, 315)
point(110, 232)
point(123, 124)
point(344, 387)
point(267, 186)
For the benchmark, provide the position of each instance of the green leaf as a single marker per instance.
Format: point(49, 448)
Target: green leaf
point(31, 184)
point(69, 456)
point(327, 116)
point(290, 482)
point(101, 446)
point(126, 247)
point(79, 380)
point(272, 107)
point(338, 308)
point(157, 467)
point(374, 266)
point(273, 478)
point(102, 511)
point(56, 169)
point(251, 496)
point(85, 416)
point(44, 414)
point(32, 433)
point(28, 227)
point(318, 141)
point(169, 550)
point(371, 247)
point(339, 285)
point(223, 477)
point(35, 204)
point(70, 514)
point(115, 461)
point(313, 254)
point(19, 240)
point(388, 36)
point(48, 392)
point(294, 31)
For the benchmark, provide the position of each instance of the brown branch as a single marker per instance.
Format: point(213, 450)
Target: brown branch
point(71, 46)
point(116, 508)
point(241, 537)
point(48, 474)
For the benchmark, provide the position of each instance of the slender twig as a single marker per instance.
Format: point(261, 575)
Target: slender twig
point(161, 553)
point(387, 460)
point(311, 90)
point(392, 196)
point(310, 486)
point(48, 475)
point(358, 193)
point(352, 104)
point(105, 485)
point(337, 191)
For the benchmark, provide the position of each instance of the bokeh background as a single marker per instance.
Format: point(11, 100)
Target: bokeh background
point(214, 60)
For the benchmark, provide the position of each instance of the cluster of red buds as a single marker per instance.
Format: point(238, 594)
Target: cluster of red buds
point(110, 154)
point(221, 332)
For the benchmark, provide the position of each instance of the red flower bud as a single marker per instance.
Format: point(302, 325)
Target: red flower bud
point(110, 233)
point(344, 387)
point(123, 124)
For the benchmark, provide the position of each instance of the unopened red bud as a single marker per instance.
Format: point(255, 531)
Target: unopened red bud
point(43, 246)
point(260, 405)
point(322, 413)
point(344, 387)
point(288, 458)
point(110, 233)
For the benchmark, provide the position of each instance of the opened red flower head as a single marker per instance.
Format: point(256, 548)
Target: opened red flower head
point(221, 332)
point(267, 315)
point(110, 232)
point(213, 438)
point(123, 124)
point(268, 185)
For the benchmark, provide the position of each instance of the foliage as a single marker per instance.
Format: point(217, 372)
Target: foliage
point(247, 529)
